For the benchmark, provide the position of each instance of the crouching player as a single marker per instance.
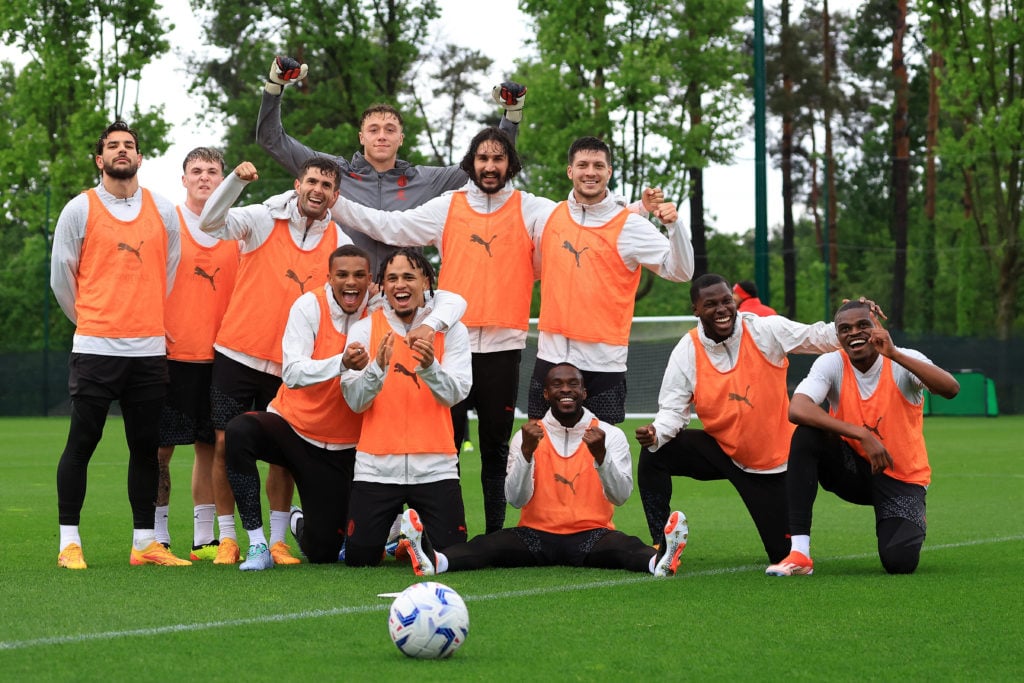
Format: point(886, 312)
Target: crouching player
point(567, 472)
point(868, 448)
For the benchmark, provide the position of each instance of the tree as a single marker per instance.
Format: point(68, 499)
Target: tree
point(456, 77)
point(661, 83)
point(89, 55)
point(980, 92)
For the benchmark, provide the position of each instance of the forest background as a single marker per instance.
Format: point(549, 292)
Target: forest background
point(896, 128)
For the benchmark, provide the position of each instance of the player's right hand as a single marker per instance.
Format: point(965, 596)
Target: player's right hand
point(646, 436)
point(284, 70)
point(247, 171)
point(513, 96)
point(533, 433)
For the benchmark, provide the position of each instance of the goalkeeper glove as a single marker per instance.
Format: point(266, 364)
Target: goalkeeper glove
point(512, 95)
point(284, 70)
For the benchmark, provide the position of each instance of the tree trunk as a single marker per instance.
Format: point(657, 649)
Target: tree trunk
point(830, 182)
point(900, 167)
point(696, 174)
point(788, 228)
point(927, 303)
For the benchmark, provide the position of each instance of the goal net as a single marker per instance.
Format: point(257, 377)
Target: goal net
point(651, 340)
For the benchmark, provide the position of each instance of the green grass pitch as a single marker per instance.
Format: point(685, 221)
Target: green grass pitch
point(960, 617)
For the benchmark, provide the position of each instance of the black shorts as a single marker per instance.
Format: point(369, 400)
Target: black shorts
point(186, 415)
point(606, 393)
point(373, 507)
point(849, 476)
point(237, 388)
point(123, 378)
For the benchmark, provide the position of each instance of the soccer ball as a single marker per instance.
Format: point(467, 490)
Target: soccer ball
point(428, 620)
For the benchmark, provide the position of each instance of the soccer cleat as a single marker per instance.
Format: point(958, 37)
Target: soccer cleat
point(794, 564)
point(156, 553)
point(228, 552)
point(71, 557)
point(283, 554)
point(394, 535)
point(296, 521)
point(205, 551)
point(257, 559)
point(416, 544)
point(676, 533)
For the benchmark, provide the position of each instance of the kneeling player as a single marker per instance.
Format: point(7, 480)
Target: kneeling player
point(567, 472)
point(868, 448)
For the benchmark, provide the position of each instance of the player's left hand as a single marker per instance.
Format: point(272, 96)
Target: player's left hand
point(651, 198)
point(513, 96)
point(666, 213)
point(881, 339)
point(422, 332)
point(594, 438)
point(423, 351)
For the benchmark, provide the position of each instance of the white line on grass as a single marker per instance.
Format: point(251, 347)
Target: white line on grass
point(379, 606)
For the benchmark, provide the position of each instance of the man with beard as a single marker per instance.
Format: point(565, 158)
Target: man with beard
point(484, 233)
point(406, 450)
point(115, 254)
point(868, 448)
point(731, 368)
point(567, 473)
point(308, 428)
point(592, 250)
point(283, 243)
point(375, 176)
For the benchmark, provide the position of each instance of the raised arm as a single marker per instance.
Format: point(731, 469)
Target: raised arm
point(270, 134)
point(669, 256)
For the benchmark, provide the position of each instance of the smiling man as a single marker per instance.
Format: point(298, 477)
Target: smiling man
point(868, 448)
point(406, 450)
point(592, 248)
point(484, 233)
point(284, 244)
point(567, 472)
point(731, 368)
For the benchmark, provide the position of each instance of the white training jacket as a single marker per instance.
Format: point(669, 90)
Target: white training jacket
point(640, 244)
point(68, 238)
point(774, 335)
point(251, 225)
point(425, 224)
point(449, 382)
point(616, 473)
point(300, 369)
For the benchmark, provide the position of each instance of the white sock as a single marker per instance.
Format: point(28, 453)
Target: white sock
point(141, 538)
point(256, 537)
point(801, 544)
point(68, 535)
point(202, 524)
point(654, 561)
point(162, 534)
point(226, 523)
point(441, 563)
point(278, 525)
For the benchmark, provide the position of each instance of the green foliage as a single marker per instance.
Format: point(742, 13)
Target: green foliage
point(660, 83)
point(86, 58)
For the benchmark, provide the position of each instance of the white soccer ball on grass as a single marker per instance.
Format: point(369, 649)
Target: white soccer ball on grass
point(428, 620)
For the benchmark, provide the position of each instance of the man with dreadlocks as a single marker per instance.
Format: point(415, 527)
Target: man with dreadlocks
point(406, 449)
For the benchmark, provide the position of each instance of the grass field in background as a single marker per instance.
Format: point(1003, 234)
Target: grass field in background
point(960, 617)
